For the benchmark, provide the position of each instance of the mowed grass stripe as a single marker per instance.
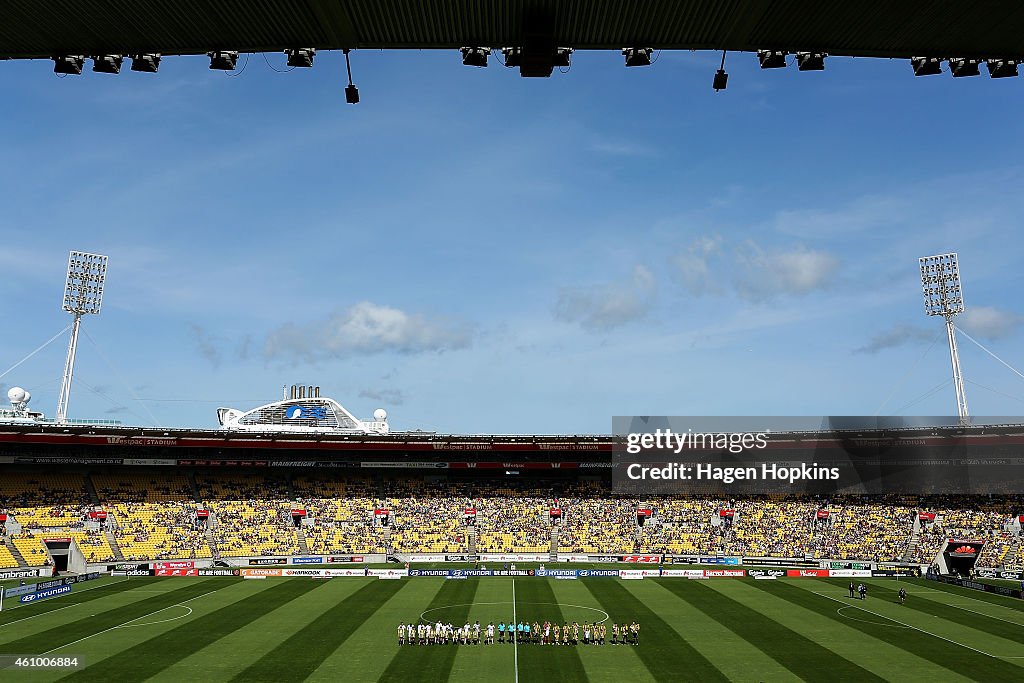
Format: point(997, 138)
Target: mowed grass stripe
point(300, 654)
point(1014, 604)
point(73, 598)
point(801, 655)
point(882, 658)
point(414, 662)
point(661, 648)
point(952, 656)
point(535, 601)
point(80, 628)
point(150, 657)
point(965, 602)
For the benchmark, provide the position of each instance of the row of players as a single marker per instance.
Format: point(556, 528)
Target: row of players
point(593, 633)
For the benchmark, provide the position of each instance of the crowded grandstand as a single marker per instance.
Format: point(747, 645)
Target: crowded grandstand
point(114, 514)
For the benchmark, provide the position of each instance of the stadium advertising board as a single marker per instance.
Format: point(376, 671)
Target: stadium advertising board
point(779, 562)
point(46, 594)
point(766, 573)
point(839, 564)
point(307, 560)
point(807, 573)
point(525, 557)
point(724, 573)
point(174, 565)
point(641, 559)
point(260, 572)
point(175, 572)
point(128, 566)
point(719, 560)
point(21, 573)
point(267, 560)
point(338, 559)
point(218, 572)
point(460, 558)
point(849, 573)
point(683, 573)
point(896, 571)
point(986, 587)
point(631, 574)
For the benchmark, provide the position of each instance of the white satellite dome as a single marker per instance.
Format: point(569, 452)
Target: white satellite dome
point(17, 395)
point(380, 415)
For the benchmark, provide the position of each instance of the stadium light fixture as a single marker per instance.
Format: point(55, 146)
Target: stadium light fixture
point(563, 57)
point(223, 60)
point(926, 66)
point(772, 59)
point(1001, 68)
point(83, 295)
point(351, 91)
point(810, 61)
point(475, 56)
point(637, 56)
point(107, 64)
point(70, 65)
point(301, 57)
point(721, 80)
point(943, 296)
point(148, 63)
point(962, 66)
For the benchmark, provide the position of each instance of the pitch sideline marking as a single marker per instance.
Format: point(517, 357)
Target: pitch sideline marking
point(935, 635)
point(61, 647)
point(839, 611)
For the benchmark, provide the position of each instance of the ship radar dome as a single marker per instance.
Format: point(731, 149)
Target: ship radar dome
point(380, 415)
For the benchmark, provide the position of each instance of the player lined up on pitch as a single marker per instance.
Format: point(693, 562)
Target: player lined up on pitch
point(548, 633)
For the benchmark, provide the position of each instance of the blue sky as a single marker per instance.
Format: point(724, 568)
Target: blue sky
point(478, 252)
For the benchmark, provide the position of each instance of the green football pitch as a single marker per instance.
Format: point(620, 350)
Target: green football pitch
point(345, 629)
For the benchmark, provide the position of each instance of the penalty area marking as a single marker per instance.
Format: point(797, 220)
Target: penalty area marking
point(91, 635)
point(161, 621)
point(424, 619)
point(934, 635)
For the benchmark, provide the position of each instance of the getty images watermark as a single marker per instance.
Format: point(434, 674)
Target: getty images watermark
point(818, 455)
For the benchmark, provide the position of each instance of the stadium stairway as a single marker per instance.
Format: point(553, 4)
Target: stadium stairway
point(554, 544)
point(91, 488)
point(211, 522)
point(114, 547)
point(16, 554)
point(471, 540)
point(911, 550)
point(190, 476)
point(300, 536)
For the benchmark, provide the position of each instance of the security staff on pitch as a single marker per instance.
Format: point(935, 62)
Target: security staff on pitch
point(851, 589)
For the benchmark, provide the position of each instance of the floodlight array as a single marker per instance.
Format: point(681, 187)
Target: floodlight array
point(83, 289)
point(940, 282)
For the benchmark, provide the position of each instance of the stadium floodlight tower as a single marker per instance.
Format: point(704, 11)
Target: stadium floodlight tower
point(83, 294)
point(940, 280)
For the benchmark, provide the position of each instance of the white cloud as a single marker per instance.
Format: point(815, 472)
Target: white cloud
point(366, 328)
point(763, 275)
point(394, 397)
point(607, 306)
point(896, 336)
point(694, 268)
point(989, 322)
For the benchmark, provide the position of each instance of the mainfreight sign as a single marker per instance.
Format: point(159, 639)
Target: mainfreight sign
point(44, 594)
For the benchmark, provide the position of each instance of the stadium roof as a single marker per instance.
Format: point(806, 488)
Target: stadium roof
point(875, 28)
